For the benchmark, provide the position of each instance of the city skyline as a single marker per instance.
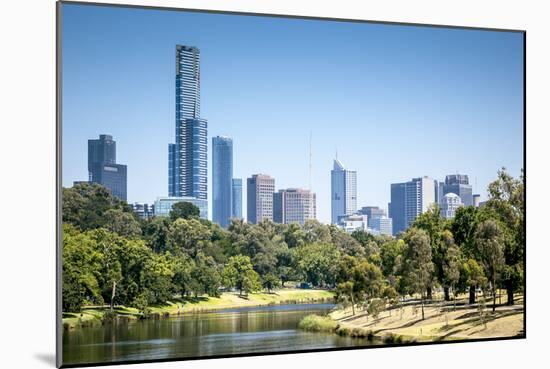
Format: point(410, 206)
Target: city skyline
point(491, 129)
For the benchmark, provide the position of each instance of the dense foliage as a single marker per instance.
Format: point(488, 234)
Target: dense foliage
point(112, 257)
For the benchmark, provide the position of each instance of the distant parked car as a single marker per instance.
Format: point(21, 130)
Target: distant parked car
point(305, 285)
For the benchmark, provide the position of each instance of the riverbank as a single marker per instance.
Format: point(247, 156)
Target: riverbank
point(443, 322)
point(90, 316)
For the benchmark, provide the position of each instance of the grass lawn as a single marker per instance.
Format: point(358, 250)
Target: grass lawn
point(233, 300)
point(442, 322)
point(93, 315)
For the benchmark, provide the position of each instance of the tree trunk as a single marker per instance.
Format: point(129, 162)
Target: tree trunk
point(494, 296)
point(113, 296)
point(352, 306)
point(446, 292)
point(472, 299)
point(510, 294)
point(422, 303)
point(454, 299)
point(429, 293)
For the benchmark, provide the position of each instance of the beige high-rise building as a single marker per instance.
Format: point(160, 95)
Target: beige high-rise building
point(294, 205)
point(259, 198)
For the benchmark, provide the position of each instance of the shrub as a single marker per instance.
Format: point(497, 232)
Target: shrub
point(316, 323)
point(393, 338)
point(343, 331)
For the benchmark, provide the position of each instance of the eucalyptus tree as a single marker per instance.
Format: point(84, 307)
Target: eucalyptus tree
point(418, 267)
point(489, 243)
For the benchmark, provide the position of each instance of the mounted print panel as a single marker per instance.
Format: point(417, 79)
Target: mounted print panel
point(240, 184)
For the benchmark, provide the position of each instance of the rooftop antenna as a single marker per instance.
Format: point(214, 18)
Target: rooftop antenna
point(310, 162)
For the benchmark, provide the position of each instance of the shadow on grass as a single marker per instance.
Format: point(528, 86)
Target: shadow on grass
point(473, 322)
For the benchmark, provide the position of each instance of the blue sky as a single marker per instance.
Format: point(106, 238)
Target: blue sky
point(396, 101)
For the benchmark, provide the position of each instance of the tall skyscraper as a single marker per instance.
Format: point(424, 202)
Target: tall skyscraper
point(459, 185)
point(409, 200)
point(102, 166)
point(259, 198)
point(343, 191)
point(222, 178)
point(237, 199)
point(294, 205)
point(187, 157)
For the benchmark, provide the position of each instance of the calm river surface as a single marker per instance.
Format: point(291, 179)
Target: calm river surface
point(224, 332)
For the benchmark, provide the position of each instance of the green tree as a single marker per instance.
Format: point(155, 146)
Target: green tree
point(346, 243)
point(123, 223)
point(489, 242)
point(184, 210)
point(417, 262)
point(81, 269)
point(155, 232)
point(239, 273)
point(156, 278)
point(463, 227)
point(270, 282)
point(294, 235)
point(434, 226)
point(375, 307)
point(182, 280)
point(507, 200)
point(346, 295)
point(316, 263)
point(472, 275)
point(206, 276)
point(389, 253)
point(85, 205)
point(189, 236)
point(110, 245)
point(451, 264)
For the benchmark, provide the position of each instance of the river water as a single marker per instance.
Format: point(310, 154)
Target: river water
point(223, 332)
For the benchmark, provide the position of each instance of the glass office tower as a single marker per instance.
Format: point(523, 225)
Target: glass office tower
point(409, 200)
point(222, 179)
point(187, 157)
point(237, 199)
point(343, 191)
point(102, 166)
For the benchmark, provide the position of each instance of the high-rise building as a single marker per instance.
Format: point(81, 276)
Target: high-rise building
point(409, 200)
point(222, 178)
point(449, 204)
point(237, 199)
point(187, 157)
point(259, 198)
point(294, 205)
point(102, 166)
point(381, 225)
point(343, 191)
point(397, 206)
point(459, 185)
